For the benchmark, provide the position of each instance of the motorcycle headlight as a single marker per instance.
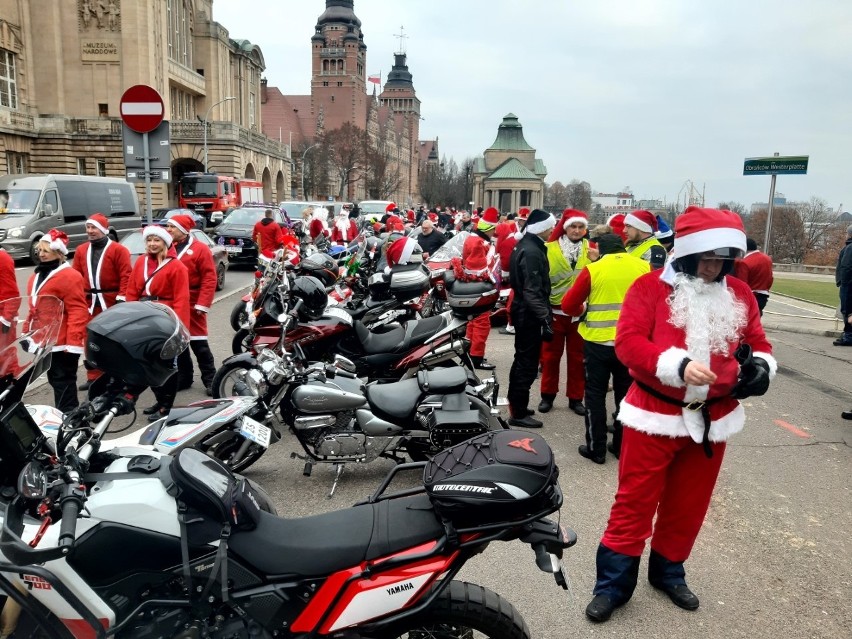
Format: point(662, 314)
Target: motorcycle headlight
point(18, 231)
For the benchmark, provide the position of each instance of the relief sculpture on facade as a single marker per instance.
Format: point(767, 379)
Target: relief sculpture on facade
point(104, 15)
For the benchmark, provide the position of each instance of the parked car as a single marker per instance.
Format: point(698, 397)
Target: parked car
point(234, 233)
point(294, 208)
point(136, 246)
point(161, 216)
point(373, 210)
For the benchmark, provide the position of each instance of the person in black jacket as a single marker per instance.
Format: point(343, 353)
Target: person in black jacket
point(429, 239)
point(531, 313)
point(843, 279)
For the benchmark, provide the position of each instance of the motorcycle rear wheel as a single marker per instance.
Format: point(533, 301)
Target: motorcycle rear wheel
point(230, 381)
point(224, 451)
point(463, 611)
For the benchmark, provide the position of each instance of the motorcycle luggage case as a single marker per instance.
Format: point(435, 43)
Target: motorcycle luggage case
point(494, 477)
point(408, 281)
point(469, 299)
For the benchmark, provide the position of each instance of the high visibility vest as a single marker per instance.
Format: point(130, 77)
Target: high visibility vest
point(640, 249)
point(562, 276)
point(611, 276)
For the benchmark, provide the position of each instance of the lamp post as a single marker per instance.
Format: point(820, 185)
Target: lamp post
point(204, 122)
point(304, 153)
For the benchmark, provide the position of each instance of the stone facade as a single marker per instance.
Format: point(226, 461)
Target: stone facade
point(65, 64)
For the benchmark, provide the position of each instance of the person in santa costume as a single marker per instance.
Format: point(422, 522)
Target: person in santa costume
point(616, 223)
point(201, 273)
point(55, 277)
point(9, 301)
point(479, 262)
point(105, 267)
point(755, 269)
point(505, 247)
point(267, 234)
point(316, 219)
point(159, 276)
point(344, 231)
point(567, 254)
point(640, 227)
point(692, 339)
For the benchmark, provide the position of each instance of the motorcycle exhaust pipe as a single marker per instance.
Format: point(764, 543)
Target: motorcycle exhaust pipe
point(440, 354)
point(316, 421)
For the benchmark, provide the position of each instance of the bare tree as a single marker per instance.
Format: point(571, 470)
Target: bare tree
point(801, 232)
point(555, 196)
point(578, 195)
point(383, 176)
point(346, 147)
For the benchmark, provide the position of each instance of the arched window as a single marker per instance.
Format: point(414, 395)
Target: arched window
point(325, 66)
point(180, 31)
point(340, 66)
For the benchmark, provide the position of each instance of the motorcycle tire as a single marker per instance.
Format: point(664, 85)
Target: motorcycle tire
point(229, 381)
point(239, 316)
point(462, 611)
point(241, 342)
point(225, 450)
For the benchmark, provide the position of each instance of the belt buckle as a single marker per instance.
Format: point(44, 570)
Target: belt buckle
point(695, 405)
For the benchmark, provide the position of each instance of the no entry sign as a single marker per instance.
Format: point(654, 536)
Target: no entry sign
point(141, 108)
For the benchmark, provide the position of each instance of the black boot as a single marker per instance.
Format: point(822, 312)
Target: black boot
point(479, 363)
point(577, 406)
point(616, 580)
point(670, 577)
point(155, 408)
point(546, 402)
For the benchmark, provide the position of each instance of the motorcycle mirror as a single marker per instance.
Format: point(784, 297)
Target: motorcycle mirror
point(32, 482)
point(344, 364)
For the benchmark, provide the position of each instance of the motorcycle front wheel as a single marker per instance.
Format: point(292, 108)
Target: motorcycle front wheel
point(462, 611)
point(233, 380)
point(239, 316)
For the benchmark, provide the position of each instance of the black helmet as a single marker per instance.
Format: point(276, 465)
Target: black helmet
point(689, 263)
point(314, 298)
point(136, 342)
point(321, 266)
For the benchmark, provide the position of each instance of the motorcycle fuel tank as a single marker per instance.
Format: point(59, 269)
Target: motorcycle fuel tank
point(324, 397)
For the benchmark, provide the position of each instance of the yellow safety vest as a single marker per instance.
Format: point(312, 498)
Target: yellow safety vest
point(611, 276)
point(562, 276)
point(640, 249)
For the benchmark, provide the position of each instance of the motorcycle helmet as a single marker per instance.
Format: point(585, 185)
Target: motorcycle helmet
point(314, 298)
point(136, 342)
point(321, 266)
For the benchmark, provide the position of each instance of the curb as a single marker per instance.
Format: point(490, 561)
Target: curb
point(801, 330)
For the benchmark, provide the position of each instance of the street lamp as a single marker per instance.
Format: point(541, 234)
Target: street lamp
point(304, 153)
point(204, 122)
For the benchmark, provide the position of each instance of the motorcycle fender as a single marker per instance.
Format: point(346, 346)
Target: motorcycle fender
point(374, 426)
point(244, 358)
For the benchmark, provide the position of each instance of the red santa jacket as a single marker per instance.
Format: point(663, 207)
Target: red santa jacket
point(351, 233)
point(166, 284)
point(479, 261)
point(316, 229)
point(201, 273)
point(66, 284)
point(504, 250)
point(504, 230)
point(8, 290)
point(109, 278)
point(653, 350)
point(267, 235)
point(755, 269)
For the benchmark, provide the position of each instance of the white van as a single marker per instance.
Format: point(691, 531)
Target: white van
point(373, 210)
point(31, 205)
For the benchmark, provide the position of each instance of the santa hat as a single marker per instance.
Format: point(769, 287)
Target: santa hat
point(641, 220)
point(569, 217)
point(523, 213)
point(400, 251)
point(393, 222)
point(489, 219)
point(390, 208)
point(410, 215)
point(700, 230)
point(539, 221)
point(663, 229)
point(99, 221)
point(57, 241)
point(183, 223)
point(616, 223)
point(159, 231)
point(432, 216)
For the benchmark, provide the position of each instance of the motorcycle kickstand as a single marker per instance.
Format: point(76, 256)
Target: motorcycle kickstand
point(337, 476)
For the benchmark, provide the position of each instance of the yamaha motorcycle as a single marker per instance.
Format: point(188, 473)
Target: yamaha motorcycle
point(211, 558)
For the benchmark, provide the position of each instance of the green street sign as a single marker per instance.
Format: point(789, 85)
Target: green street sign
point(789, 165)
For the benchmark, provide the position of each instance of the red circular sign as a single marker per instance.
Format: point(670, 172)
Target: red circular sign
point(141, 108)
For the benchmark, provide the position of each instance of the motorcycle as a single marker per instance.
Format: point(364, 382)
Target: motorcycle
point(211, 558)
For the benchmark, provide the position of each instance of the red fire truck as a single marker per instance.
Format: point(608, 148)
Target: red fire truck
point(213, 195)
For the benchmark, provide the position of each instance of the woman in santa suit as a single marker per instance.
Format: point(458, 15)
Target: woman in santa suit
point(315, 218)
point(159, 276)
point(692, 339)
point(9, 300)
point(55, 277)
point(344, 231)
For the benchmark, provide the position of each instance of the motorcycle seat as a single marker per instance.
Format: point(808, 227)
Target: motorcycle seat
point(401, 338)
point(396, 400)
point(327, 543)
point(443, 380)
point(378, 343)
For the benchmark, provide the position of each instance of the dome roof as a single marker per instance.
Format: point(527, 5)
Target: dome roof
point(339, 11)
point(510, 136)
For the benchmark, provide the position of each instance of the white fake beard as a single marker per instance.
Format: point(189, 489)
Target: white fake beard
point(710, 315)
point(343, 226)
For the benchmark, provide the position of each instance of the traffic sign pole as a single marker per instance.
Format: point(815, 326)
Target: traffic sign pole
point(769, 213)
point(146, 156)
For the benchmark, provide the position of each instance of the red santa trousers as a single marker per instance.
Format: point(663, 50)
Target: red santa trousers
point(565, 339)
point(671, 476)
point(477, 332)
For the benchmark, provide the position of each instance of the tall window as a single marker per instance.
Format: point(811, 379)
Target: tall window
point(81, 166)
point(180, 31)
point(251, 110)
point(101, 168)
point(8, 80)
point(17, 162)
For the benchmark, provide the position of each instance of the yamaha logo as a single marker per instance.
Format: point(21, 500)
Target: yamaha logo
point(394, 590)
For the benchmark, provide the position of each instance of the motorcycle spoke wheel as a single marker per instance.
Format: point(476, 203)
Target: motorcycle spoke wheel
point(463, 611)
point(233, 381)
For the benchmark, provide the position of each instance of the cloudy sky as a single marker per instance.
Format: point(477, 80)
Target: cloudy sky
point(640, 93)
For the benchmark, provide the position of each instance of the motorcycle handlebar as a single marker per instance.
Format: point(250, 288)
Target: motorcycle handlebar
point(71, 503)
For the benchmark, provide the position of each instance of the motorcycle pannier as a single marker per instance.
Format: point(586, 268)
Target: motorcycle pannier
point(469, 299)
point(494, 477)
point(408, 281)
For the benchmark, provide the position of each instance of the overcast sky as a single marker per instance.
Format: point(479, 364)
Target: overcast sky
point(640, 93)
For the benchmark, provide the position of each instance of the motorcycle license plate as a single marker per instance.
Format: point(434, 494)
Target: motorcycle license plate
point(233, 249)
point(254, 431)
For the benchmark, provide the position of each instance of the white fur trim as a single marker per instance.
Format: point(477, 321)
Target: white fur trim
point(159, 231)
point(98, 226)
point(636, 223)
point(773, 363)
point(676, 425)
point(407, 250)
point(710, 240)
point(540, 227)
point(5, 322)
point(204, 309)
point(668, 365)
point(57, 245)
point(177, 225)
point(574, 220)
point(120, 298)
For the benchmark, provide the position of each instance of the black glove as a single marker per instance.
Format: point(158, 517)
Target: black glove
point(753, 379)
point(4, 328)
point(547, 332)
